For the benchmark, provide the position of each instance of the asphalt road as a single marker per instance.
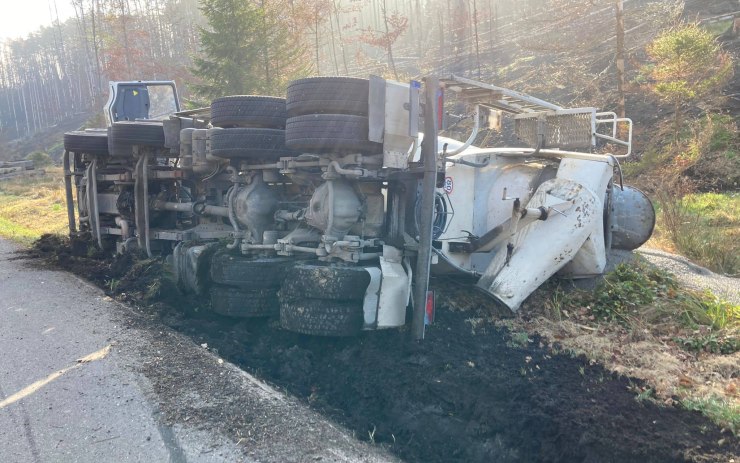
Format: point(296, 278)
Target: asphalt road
point(81, 380)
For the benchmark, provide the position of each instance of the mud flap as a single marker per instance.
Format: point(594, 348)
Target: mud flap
point(370, 302)
point(394, 295)
point(189, 266)
point(388, 293)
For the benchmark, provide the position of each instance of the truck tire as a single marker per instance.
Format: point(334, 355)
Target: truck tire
point(249, 143)
point(138, 133)
point(319, 317)
point(332, 133)
point(245, 303)
point(315, 281)
point(248, 272)
point(248, 111)
point(82, 142)
point(123, 135)
point(327, 95)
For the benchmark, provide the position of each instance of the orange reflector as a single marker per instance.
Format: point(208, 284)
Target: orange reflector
point(429, 312)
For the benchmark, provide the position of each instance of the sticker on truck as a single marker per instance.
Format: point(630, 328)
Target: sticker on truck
point(448, 185)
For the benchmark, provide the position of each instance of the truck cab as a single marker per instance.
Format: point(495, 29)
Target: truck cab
point(141, 101)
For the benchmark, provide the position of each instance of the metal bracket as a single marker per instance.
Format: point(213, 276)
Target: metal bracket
point(376, 109)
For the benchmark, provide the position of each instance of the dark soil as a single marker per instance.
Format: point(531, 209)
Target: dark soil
point(469, 392)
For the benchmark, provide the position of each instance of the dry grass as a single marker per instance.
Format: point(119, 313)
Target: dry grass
point(694, 180)
point(675, 375)
point(705, 227)
point(683, 344)
point(31, 207)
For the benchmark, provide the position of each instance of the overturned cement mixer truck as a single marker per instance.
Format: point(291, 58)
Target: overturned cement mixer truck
point(330, 208)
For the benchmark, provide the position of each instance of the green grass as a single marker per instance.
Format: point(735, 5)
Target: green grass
point(16, 232)
point(723, 135)
point(717, 209)
point(722, 314)
point(706, 148)
point(719, 410)
point(625, 291)
point(638, 294)
point(31, 207)
point(645, 300)
point(518, 339)
point(719, 27)
point(705, 227)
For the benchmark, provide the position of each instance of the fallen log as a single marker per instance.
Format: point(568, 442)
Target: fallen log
point(23, 164)
point(22, 173)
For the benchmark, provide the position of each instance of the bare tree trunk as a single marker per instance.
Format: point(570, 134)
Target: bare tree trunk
point(124, 25)
point(492, 28)
point(333, 47)
point(390, 45)
point(266, 45)
point(337, 6)
point(82, 28)
point(475, 32)
point(419, 28)
point(316, 42)
point(620, 56)
point(98, 73)
point(25, 108)
point(442, 39)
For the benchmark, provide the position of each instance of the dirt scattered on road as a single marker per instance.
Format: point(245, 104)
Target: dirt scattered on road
point(472, 391)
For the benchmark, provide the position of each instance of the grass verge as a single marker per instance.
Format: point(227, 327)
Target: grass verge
point(640, 295)
point(30, 207)
point(718, 410)
point(705, 227)
point(694, 177)
point(639, 321)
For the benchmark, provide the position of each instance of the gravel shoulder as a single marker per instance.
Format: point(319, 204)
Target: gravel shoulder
point(694, 276)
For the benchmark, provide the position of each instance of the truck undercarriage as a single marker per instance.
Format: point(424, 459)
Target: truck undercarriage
point(329, 209)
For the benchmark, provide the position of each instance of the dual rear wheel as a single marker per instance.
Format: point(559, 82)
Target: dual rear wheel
point(329, 115)
point(323, 300)
point(309, 298)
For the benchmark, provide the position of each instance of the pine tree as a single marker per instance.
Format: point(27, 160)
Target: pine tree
point(688, 63)
point(245, 50)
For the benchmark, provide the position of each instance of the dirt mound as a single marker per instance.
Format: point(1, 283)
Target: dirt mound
point(469, 392)
point(126, 276)
point(77, 257)
point(470, 396)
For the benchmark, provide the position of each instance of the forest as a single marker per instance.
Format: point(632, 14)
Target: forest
point(566, 49)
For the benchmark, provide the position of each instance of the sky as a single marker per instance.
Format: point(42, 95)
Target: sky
point(18, 18)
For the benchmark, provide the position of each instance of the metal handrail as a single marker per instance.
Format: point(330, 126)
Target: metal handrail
point(614, 120)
